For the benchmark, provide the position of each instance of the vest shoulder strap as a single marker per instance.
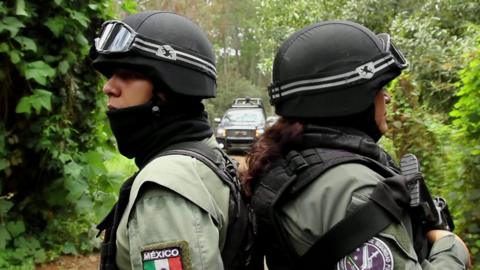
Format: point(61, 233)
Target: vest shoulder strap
point(373, 217)
point(236, 253)
point(300, 168)
point(221, 164)
point(309, 164)
point(295, 172)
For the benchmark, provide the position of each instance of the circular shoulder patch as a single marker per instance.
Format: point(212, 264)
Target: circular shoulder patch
point(372, 255)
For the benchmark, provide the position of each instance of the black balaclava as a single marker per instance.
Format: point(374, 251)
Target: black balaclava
point(357, 133)
point(363, 121)
point(142, 131)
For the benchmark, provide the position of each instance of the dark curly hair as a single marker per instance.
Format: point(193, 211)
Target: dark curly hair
point(277, 140)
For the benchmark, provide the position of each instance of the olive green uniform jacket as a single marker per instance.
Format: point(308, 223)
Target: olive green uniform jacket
point(177, 202)
point(338, 192)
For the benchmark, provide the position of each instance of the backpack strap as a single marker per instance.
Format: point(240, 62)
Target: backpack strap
point(373, 217)
point(219, 162)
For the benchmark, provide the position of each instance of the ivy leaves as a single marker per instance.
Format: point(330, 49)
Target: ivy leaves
point(56, 25)
point(27, 44)
point(49, 116)
point(11, 229)
point(11, 25)
point(41, 99)
point(39, 71)
point(23, 48)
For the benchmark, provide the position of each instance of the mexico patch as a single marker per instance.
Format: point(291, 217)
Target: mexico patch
point(372, 255)
point(166, 256)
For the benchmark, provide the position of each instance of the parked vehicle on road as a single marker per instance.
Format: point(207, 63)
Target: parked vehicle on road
point(241, 124)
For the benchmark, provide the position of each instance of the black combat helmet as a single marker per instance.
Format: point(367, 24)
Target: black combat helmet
point(332, 69)
point(170, 49)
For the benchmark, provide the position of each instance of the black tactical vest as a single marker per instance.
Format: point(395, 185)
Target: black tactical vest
point(289, 176)
point(236, 254)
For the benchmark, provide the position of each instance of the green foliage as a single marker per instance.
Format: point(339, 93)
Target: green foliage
point(466, 187)
point(231, 28)
point(39, 71)
point(129, 6)
point(274, 24)
point(466, 111)
point(434, 53)
point(54, 140)
point(40, 99)
point(421, 121)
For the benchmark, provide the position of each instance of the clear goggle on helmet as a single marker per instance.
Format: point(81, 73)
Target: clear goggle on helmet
point(115, 36)
point(389, 46)
point(119, 37)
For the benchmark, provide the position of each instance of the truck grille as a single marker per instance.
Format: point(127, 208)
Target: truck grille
point(240, 133)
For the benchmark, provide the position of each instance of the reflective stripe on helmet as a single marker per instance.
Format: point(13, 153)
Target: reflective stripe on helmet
point(365, 71)
point(166, 51)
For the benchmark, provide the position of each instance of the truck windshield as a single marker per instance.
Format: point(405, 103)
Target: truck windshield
point(249, 115)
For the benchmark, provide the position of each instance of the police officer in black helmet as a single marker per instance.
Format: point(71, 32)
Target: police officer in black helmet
point(173, 213)
point(326, 195)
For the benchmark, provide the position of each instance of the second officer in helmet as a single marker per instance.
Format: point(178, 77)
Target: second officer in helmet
point(326, 195)
point(175, 211)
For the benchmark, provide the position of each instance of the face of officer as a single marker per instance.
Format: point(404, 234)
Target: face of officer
point(381, 100)
point(127, 88)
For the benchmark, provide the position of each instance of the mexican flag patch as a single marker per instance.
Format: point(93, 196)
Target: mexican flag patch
point(166, 256)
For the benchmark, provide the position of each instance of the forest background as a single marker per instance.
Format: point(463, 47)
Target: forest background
point(59, 169)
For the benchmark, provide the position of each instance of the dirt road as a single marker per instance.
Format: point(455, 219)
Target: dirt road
point(87, 262)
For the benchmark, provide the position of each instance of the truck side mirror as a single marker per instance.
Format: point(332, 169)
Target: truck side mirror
point(217, 120)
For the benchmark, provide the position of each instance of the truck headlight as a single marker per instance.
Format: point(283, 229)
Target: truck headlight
point(259, 132)
point(220, 133)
